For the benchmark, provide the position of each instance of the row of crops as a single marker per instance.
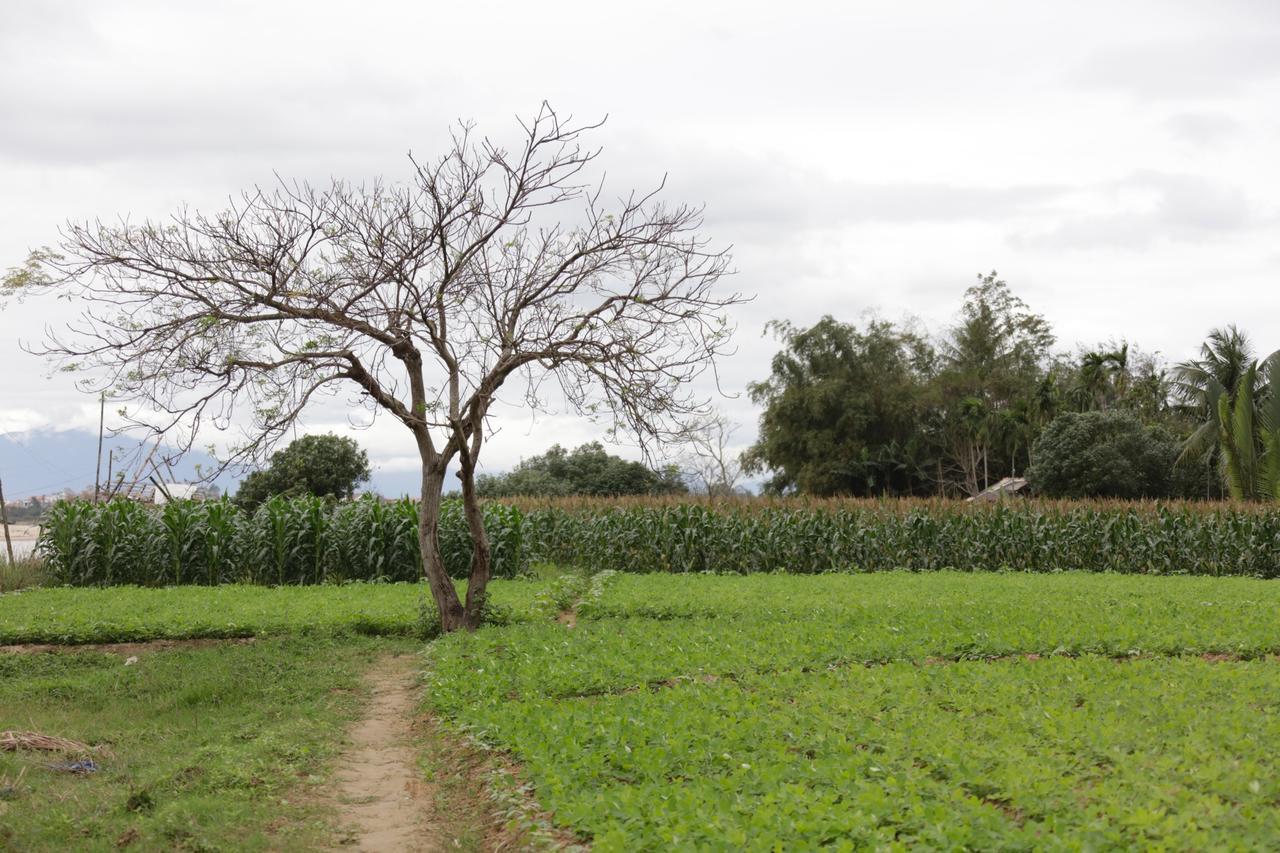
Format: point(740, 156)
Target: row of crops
point(943, 711)
point(285, 541)
point(876, 536)
point(307, 540)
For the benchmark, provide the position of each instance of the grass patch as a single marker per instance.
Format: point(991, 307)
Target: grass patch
point(221, 747)
point(134, 614)
point(23, 573)
point(701, 711)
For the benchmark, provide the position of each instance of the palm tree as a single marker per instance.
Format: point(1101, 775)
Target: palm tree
point(1269, 429)
point(1103, 379)
point(1239, 403)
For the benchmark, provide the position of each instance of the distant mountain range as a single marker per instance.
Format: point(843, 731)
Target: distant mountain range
point(47, 462)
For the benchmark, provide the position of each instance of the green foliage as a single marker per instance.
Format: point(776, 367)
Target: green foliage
point(586, 470)
point(135, 614)
point(988, 394)
point(841, 410)
point(306, 541)
point(302, 540)
point(1249, 433)
point(1105, 454)
point(1269, 431)
point(883, 410)
point(878, 536)
point(1238, 402)
point(24, 572)
point(938, 711)
point(320, 465)
point(224, 748)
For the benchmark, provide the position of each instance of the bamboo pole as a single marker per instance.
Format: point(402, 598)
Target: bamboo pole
point(4, 522)
point(102, 419)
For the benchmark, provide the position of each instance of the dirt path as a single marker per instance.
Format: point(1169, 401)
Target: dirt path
point(382, 802)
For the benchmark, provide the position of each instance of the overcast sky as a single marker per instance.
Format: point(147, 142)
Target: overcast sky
point(1118, 163)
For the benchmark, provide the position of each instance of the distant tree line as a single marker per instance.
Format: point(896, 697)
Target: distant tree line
point(882, 408)
point(885, 409)
point(586, 470)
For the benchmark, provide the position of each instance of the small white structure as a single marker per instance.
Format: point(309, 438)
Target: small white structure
point(176, 492)
point(1007, 487)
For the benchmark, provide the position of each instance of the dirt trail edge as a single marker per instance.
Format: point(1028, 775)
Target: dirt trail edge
point(382, 802)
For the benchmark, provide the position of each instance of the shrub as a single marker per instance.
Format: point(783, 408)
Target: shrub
point(1103, 455)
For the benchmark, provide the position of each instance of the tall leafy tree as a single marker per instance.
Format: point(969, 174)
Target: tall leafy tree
point(993, 359)
point(321, 465)
point(842, 408)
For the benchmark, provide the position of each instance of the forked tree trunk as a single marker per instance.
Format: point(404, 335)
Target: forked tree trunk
point(452, 616)
point(481, 554)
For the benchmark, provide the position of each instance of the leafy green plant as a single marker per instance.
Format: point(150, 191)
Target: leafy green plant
point(807, 537)
point(942, 711)
point(304, 540)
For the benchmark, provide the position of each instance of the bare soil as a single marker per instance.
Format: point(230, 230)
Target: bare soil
point(22, 531)
point(382, 802)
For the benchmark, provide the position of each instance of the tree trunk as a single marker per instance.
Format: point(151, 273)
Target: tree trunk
point(481, 555)
point(442, 588)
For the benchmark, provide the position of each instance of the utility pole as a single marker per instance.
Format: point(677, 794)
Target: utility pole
point(97, 474)
point(4, 522)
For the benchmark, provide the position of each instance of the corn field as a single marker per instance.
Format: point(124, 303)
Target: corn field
point(309, 540)
point(832, 535)
point(286, 541)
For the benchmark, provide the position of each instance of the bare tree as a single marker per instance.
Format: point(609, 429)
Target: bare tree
point(708, 460)
point(425, 299)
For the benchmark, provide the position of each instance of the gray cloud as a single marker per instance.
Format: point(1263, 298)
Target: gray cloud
point(1202, 129)
point(858, 155)
point(1153, 206)
point(768, 198)
point(1193, 67)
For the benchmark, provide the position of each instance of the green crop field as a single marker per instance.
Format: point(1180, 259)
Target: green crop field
point(980, 711)
point(946, 710)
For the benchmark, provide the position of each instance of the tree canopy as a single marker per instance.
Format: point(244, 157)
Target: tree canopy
point(586, 470)
point(1105, 454)
point(841, 410)
point(884, 409)
point(320, 465)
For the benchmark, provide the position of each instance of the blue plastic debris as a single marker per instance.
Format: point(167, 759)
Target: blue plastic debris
point(84, 765)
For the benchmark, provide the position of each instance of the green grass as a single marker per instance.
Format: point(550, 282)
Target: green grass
point(683, 712)
point(131, 614)
point(23, 573)
point(772, 712)
point(222, 747)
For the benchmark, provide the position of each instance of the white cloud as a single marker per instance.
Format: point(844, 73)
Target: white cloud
point(1146, 207)
point(17, 422)
point(1116, 162)
point(1203, 129)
